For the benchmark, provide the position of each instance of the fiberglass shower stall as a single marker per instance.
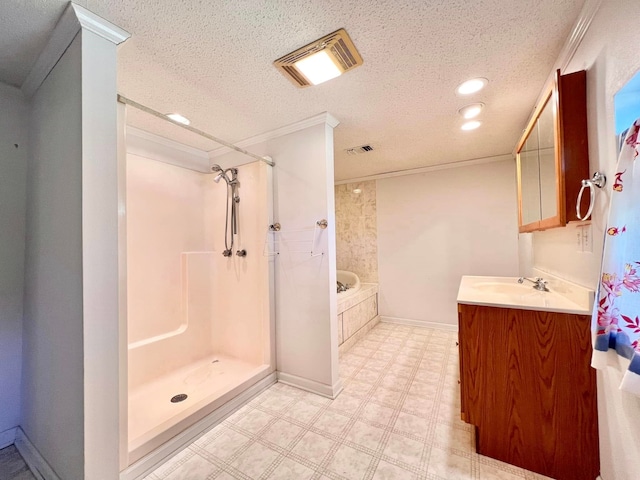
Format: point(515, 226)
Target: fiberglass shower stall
point(199, 318)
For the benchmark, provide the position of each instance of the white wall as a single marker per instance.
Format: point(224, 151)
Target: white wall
point(306, 306)
point(13, 168)
point(53, 396)
point(609, 52)
point(435, 227)
point(71, 338)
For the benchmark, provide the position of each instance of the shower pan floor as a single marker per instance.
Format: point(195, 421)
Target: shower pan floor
point(208, 384)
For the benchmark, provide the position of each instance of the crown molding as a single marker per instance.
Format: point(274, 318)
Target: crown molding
point(430, 168)
point(322, 118)
point(149, 145)
point(98, 25)
point(73, 19)
point(579, 30)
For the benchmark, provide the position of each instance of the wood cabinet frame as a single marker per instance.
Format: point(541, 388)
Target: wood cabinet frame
point(569, 100)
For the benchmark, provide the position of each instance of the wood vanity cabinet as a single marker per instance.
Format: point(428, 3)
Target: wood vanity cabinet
point(527, 385)
point(553, 156)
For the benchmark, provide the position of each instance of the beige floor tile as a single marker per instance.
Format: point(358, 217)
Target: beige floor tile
point(331, 422)
point(449, 466)
point(195, 468)
point(367, 376)
point(255, 460)
point(357, 388)
point(387, 471)
point(350, 463)
point(404, 450)
point(450, 437)
point(291, 470)
point(374, 413)
point(386, 396)
point(365, 435)
point(226, 444)
point(492, 473)
point(313, 447)
point(303, 411)
point(345, 403)
point(282, 433)
point(411, 424)
point(376, 364)
point(390, 383)
point(254, 421)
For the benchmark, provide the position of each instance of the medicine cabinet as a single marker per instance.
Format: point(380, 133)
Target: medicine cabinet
point(553, 156)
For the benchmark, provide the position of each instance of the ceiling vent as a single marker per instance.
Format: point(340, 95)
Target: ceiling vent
point(358, 150)
point(322, 60)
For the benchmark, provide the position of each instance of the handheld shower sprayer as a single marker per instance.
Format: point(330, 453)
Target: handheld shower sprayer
point(231, 224)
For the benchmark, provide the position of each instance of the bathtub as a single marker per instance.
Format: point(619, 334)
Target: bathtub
point(357, 309)
point(349, 279)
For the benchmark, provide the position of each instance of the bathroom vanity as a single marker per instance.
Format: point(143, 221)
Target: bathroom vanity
point(525, 376)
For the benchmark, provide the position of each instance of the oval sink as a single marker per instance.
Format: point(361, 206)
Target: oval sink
point(501, 288)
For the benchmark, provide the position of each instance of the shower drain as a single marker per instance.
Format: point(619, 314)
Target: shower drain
point(181, 397)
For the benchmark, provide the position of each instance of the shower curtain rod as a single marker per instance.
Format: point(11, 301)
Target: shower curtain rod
point(127, 101)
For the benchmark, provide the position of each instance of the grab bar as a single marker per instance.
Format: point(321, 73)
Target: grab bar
point(598, 180)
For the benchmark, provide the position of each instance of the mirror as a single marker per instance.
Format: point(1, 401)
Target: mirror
point(553, 156)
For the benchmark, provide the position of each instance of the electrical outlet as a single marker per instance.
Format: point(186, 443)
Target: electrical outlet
point(579, 241)
point(587, 239)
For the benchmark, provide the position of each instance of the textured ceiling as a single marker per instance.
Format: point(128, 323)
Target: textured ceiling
point(212, 62)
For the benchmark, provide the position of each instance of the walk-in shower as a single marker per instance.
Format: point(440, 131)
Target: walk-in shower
point(199, 323)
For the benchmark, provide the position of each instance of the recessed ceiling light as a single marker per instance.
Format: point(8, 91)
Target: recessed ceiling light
point(176, 117)
point(471, 111)
point(472, 125)
point(319, 61)
point(471, 86)
point(357, 190)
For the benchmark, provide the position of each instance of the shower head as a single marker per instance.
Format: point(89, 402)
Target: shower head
point(219, 176)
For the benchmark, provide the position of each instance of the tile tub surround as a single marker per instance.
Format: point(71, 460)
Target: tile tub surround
point(356, 230)
point(357, 314)
point(397, 418)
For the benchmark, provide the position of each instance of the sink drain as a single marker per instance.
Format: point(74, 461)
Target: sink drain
point(181, 397)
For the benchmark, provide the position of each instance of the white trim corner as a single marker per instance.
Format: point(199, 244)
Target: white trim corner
point(324, 390)
point(36, 462)
point(7, 437)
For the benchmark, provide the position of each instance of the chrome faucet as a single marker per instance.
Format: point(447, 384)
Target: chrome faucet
point(341, 287)
point(539, 283)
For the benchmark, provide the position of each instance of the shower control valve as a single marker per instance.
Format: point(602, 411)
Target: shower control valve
point(227, 253)
point(241, 253)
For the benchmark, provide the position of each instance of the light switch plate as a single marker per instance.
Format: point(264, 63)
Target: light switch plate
point(587, 238)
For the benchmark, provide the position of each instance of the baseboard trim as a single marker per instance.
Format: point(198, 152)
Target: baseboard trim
point(419, 323)
point(8, 437)
point(151, 461)
point(311, 385)
point(36, 462)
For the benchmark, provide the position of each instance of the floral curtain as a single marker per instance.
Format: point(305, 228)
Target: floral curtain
point(617, 324)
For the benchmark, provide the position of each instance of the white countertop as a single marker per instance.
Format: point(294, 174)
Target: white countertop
point(506, 292)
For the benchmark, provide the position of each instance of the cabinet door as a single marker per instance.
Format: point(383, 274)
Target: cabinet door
point(553, 156)
point(529, 389)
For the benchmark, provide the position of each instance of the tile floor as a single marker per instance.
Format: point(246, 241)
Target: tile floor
point(13, 466)
point(397, 418)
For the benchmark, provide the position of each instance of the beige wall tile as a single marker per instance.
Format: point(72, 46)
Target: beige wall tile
point(356, 230)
